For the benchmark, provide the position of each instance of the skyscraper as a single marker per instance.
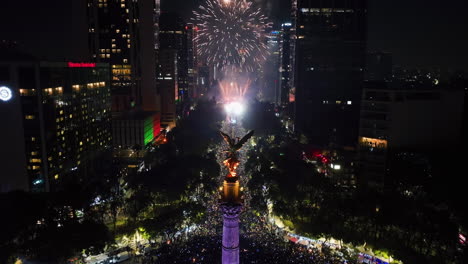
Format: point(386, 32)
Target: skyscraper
point(270, 87)
point(286, 64)
point(124, 34)
point(61, 121)
point(168, 85)
point(192, 61)
point(330, 60)
point(173, 35)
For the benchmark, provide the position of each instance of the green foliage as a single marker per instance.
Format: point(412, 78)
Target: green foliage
point(60, 234)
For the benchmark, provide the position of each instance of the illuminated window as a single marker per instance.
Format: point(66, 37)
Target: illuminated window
point(117, 31)
point(36, 167)
point(33, 139)
point(29, 117)
point(34, 153)
point(71, 116)
point(107, 55)
point(349, 102)
point(56, 176)
point(35, 160)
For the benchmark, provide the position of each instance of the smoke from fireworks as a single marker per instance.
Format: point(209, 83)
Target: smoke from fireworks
point(231, 35)
point(233, 91)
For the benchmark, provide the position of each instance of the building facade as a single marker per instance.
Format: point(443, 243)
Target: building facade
point(398, 117)
point(62, 112)
point(329, 66)
point(192, 61)
point(379, 66)
point(168, 85)
point(124, 34)
point(286, 64)
point(135, 130)
point(173, 36)
point(270, 86)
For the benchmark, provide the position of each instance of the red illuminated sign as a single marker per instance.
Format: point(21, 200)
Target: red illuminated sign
point(81, 64)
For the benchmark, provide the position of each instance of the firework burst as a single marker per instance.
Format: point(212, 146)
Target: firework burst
point(232, 91)
point(231, 34)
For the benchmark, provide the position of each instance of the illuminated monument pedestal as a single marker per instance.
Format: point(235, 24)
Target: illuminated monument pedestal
point(231, 207)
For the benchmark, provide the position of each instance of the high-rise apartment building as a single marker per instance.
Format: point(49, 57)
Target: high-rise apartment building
point(58, 120)
point(329, 66)
point(124, 34)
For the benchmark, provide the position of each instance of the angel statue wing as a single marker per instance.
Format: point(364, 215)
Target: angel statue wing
point(243, 140)
point(227, 139)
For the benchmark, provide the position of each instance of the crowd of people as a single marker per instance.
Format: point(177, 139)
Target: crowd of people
point(259, 244)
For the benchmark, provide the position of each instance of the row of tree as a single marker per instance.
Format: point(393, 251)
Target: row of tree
point(410, 228)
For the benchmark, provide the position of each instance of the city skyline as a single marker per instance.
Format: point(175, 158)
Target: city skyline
point(417, 33)
point(135, 132)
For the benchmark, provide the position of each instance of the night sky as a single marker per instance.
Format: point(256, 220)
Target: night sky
point(419, 33)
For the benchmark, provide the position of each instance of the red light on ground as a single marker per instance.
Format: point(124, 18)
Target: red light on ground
point(81, 64)
point(186, 27)
point(196, 28)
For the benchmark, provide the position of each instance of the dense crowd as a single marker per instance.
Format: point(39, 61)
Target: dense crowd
point(259, 244)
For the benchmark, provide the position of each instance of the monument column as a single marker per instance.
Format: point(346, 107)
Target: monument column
point(231, 214)
point(231, 200)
